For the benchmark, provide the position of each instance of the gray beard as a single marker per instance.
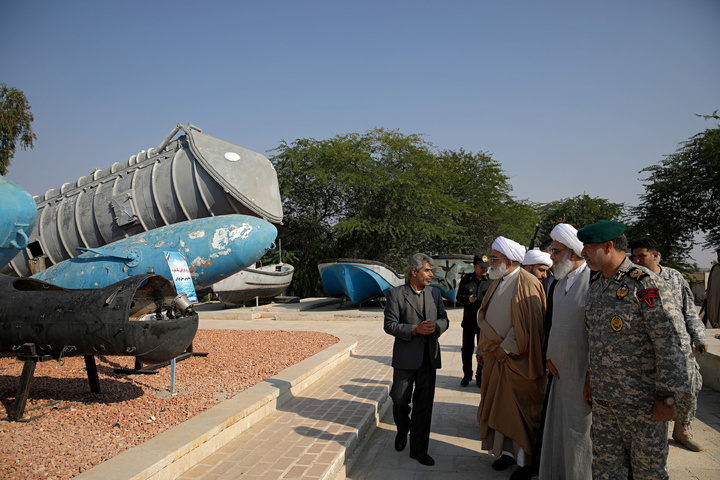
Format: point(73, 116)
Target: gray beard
point(563, 268)
point(495, 273)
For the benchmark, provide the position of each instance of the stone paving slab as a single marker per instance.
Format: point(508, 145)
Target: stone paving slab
point(310, 435)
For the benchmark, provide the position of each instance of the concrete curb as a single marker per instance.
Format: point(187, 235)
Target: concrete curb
point(176, 450)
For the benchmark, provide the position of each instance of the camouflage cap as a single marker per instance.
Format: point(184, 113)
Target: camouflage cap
point(601, 231)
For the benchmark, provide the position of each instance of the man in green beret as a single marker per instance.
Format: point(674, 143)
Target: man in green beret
point(635, 361)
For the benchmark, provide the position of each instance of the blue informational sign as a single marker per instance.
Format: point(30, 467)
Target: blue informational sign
point(181, 275)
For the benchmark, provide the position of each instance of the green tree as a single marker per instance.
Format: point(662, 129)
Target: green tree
point(518, 219)
point(578, 211)
point(682, 198)
point(383, 196)
point(15, 124)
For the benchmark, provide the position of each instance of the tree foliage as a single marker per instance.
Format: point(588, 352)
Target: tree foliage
point(383, 196)
point(682, 198)
point(578, 211)
point(15, 124)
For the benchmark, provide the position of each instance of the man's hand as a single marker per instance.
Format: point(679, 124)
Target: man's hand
point(480, 359)
point(472, 298)
point(701, 348)
point(426, 328)
point(550, 366)
point(500, 354)
point(663, 413)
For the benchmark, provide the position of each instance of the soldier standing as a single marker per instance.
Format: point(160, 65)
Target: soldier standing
point(635, 362)
point(690, 331)
point(471, 291)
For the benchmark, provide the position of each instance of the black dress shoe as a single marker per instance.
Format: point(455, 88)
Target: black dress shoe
point(400, 441)
point(464, 382)
point(503, 463)
point(522, 473)
point(423, 458)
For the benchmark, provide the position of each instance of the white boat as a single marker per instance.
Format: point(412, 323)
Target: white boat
point(261, 282)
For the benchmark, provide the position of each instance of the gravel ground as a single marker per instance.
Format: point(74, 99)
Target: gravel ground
point(67, 429)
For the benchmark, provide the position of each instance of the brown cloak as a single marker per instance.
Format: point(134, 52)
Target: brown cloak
point(512, 393)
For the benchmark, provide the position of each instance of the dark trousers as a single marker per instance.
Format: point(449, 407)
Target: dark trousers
point(470, 337)
point(418, 385)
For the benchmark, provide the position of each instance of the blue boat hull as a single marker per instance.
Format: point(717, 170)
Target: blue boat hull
point(357, 279)
point(447, 294)
point(215, 248)
point(353, 281)
point(18, 213)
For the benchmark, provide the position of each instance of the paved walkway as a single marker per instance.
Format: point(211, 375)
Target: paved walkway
point(310, 436)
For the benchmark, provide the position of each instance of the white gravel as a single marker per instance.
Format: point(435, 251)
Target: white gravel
point(67, 430)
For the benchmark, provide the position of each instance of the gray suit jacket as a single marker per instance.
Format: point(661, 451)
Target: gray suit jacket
point(401, 313)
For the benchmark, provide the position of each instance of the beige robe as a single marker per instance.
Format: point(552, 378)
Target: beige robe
point(512, 392)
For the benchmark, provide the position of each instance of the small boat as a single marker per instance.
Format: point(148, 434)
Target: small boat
point(449, 269)
point(261, 282)
point(357, 279)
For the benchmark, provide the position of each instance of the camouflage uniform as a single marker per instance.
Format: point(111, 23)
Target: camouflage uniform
point(634, 354)
point(691, 331)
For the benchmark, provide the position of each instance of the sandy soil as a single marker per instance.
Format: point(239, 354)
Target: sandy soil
point(67, 429)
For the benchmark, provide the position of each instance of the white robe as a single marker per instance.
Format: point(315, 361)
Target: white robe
point(566, 448)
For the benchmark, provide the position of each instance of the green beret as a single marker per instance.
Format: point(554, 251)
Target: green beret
point(601, 231)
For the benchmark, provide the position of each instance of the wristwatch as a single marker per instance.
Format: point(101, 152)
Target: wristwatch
point(668, 400)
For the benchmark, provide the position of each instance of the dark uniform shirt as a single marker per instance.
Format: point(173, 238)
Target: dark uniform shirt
point(469, 285)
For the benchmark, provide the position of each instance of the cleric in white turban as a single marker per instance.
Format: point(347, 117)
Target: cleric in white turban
point(510, 348)
point(567, 235)
point(537, 257)
point(538, 263)
point(510, 248)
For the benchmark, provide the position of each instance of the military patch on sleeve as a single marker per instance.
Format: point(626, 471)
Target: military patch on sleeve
point(637, 274)
point(616, 323)
point(648, 296)
point(622, 291)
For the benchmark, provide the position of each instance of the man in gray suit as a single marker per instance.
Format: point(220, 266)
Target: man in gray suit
point(415, 315)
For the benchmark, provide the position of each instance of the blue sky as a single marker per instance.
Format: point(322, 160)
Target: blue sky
point(570, 97)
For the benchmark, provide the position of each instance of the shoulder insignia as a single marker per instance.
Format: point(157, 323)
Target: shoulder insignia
point(648, 296)
point(622, 291)
point(595, 277)
point(616, 323)
point(619, 276)
point(637, 274)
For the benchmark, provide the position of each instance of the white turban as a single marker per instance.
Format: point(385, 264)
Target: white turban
point(533, 257)
point(567, 235)
point(510, 248)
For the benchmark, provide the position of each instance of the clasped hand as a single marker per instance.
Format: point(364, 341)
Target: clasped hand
point(426, 328)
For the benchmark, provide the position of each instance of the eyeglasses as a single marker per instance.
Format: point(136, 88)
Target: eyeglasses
point(494, 259)
point(555, 251)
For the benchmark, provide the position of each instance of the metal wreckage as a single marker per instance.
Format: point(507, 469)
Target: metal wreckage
point(92, 277)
